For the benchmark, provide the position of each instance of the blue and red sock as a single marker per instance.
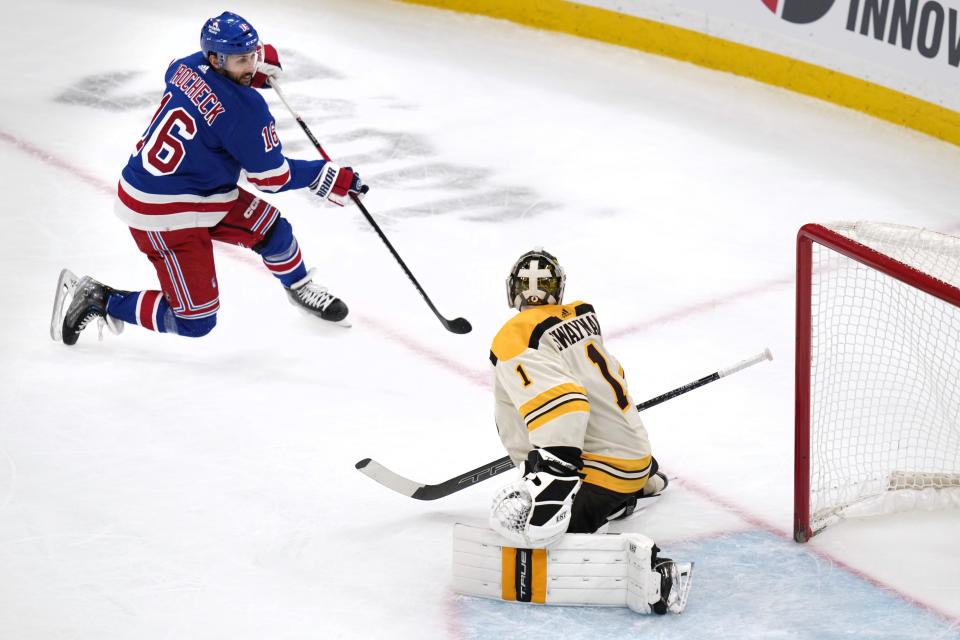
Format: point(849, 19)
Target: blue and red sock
point(150, 310)
point(281, 254)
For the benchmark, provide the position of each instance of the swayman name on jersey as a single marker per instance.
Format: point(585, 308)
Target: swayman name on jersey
point(572, 332)
point(186, 165)
point(555, 384)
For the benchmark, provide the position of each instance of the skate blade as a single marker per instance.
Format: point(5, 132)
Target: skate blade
point(682, 574)
point(345, 323)
point(66, 288)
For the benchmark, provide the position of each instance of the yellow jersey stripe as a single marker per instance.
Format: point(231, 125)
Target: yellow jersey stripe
point(616, 474)
point(530, 406)
point(622, 464)
point(559, 410)
point(605, 480)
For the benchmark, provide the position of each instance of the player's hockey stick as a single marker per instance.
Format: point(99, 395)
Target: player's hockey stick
point(422, 491)
point(457, 325)
point(716, 375)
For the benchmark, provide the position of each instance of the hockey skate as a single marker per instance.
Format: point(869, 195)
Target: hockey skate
point(77, 302)
point(315, 299)
point(675, 581)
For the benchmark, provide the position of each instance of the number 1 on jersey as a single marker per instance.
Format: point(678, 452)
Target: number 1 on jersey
point(597, 358)
point(523, 375)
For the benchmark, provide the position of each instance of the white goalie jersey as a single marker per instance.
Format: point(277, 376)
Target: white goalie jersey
point(556, 385)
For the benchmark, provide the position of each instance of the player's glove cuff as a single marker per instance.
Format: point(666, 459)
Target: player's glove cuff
point(268, 66)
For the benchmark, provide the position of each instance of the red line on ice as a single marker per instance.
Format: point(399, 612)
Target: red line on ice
point(479, 378)
point(54, 161)
point(809, 547)
point(701, 307)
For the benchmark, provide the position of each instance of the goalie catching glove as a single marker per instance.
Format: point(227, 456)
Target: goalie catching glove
point(535, 510)
point(335, 184)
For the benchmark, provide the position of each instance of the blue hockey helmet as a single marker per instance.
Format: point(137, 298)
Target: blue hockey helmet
point(226, 34)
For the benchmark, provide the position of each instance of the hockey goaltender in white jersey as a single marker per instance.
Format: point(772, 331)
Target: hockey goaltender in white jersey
point(563, 412)
point(567, 420)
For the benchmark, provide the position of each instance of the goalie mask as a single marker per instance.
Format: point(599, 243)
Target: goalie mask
point(536, 278)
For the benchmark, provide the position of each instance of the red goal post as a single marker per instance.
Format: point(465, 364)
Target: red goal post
point(877, 370)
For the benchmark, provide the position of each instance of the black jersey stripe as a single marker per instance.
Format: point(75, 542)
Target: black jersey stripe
point(540, 329)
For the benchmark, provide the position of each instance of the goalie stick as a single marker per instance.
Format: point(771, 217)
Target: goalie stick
point(457, 325)
point(422, 491)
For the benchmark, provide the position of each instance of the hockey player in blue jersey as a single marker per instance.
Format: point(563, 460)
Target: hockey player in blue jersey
point(178, 192)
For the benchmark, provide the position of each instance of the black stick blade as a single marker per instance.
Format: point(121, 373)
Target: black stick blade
point(458, 325)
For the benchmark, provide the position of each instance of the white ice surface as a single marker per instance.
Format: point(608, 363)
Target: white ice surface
point(156, 487)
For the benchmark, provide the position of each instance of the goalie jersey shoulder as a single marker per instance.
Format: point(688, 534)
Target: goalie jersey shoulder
point(563, 325)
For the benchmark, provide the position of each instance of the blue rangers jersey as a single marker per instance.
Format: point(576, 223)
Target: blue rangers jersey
point(185, 168)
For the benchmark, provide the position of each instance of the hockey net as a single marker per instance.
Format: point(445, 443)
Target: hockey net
point(877, 372)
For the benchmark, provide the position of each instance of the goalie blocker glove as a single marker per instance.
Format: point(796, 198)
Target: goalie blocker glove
point(335, 184)
point(535, 510)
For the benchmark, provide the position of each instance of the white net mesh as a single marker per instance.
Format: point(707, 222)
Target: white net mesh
point(510, 508)
point(885, 377)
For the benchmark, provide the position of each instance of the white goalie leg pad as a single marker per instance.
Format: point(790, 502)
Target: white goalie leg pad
point(577, 569)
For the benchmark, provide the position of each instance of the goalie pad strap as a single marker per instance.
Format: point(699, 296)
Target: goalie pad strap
point(524, 575)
